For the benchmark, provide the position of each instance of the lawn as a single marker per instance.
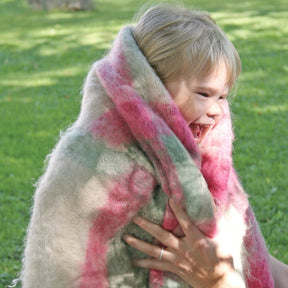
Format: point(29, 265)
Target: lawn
point(44, 58)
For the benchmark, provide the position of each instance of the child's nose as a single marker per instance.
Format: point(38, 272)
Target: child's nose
point(215, 110)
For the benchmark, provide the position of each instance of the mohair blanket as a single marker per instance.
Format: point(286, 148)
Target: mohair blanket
point(127, 153)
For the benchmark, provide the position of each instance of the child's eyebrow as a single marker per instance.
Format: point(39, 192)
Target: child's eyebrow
point(211, 89)
point(208, 89)
point(205, 88)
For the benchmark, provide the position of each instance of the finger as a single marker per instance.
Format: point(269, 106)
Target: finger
point(153, 264)
point(163, 236)
point(147, 248)
point(184, 220)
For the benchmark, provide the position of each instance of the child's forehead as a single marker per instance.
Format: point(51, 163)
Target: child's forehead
point(217, 79)
point(226, 69)
point(214, 70)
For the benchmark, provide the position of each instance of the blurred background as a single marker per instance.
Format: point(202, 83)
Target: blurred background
point(46, 50)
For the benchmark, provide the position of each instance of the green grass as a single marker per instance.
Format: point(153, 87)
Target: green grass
point(44, 58)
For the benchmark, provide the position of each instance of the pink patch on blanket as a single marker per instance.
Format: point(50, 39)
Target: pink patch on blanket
point(144, 124)
point(139, 119)
point(156, 279)
point(142, 121)
point(258, 271)
point(112, 129)
point(216, 151)
point(129, 194)
point(95, 274)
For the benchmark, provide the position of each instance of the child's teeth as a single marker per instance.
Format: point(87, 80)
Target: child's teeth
point(199, 130)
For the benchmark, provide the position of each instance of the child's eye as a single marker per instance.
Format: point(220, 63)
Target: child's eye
point(204, 94)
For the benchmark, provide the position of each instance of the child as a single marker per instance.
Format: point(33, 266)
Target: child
point(154, 124)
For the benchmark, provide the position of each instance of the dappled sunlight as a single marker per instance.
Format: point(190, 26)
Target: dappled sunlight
point(258, 73)
point(269, 108)
point(245, 25)
point(46, 78)
point(31, 82)
point(102, 40)
point(49, 32)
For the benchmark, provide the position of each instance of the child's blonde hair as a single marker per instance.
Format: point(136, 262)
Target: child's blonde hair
point(179, 43)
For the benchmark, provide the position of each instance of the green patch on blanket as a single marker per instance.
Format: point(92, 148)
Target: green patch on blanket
point(82, 148)
point(195, 190)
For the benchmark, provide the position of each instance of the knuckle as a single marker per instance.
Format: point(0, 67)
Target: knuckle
point(167, 240)
point(188, 255)
point(183, 270)
point(201, 244)
point(189, 226)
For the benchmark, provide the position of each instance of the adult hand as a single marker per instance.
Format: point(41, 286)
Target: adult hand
point(279, 272)
point(197, 259)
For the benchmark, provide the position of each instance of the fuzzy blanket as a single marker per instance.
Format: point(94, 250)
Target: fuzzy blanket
point(128, 152)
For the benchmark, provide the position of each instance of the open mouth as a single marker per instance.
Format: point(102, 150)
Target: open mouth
point(199, 131)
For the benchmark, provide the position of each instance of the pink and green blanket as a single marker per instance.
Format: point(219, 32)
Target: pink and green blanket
point(127, 153)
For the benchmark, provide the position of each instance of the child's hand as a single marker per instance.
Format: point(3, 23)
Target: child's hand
point(194, 257)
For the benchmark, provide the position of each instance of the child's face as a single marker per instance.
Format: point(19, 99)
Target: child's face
point(200, 99)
